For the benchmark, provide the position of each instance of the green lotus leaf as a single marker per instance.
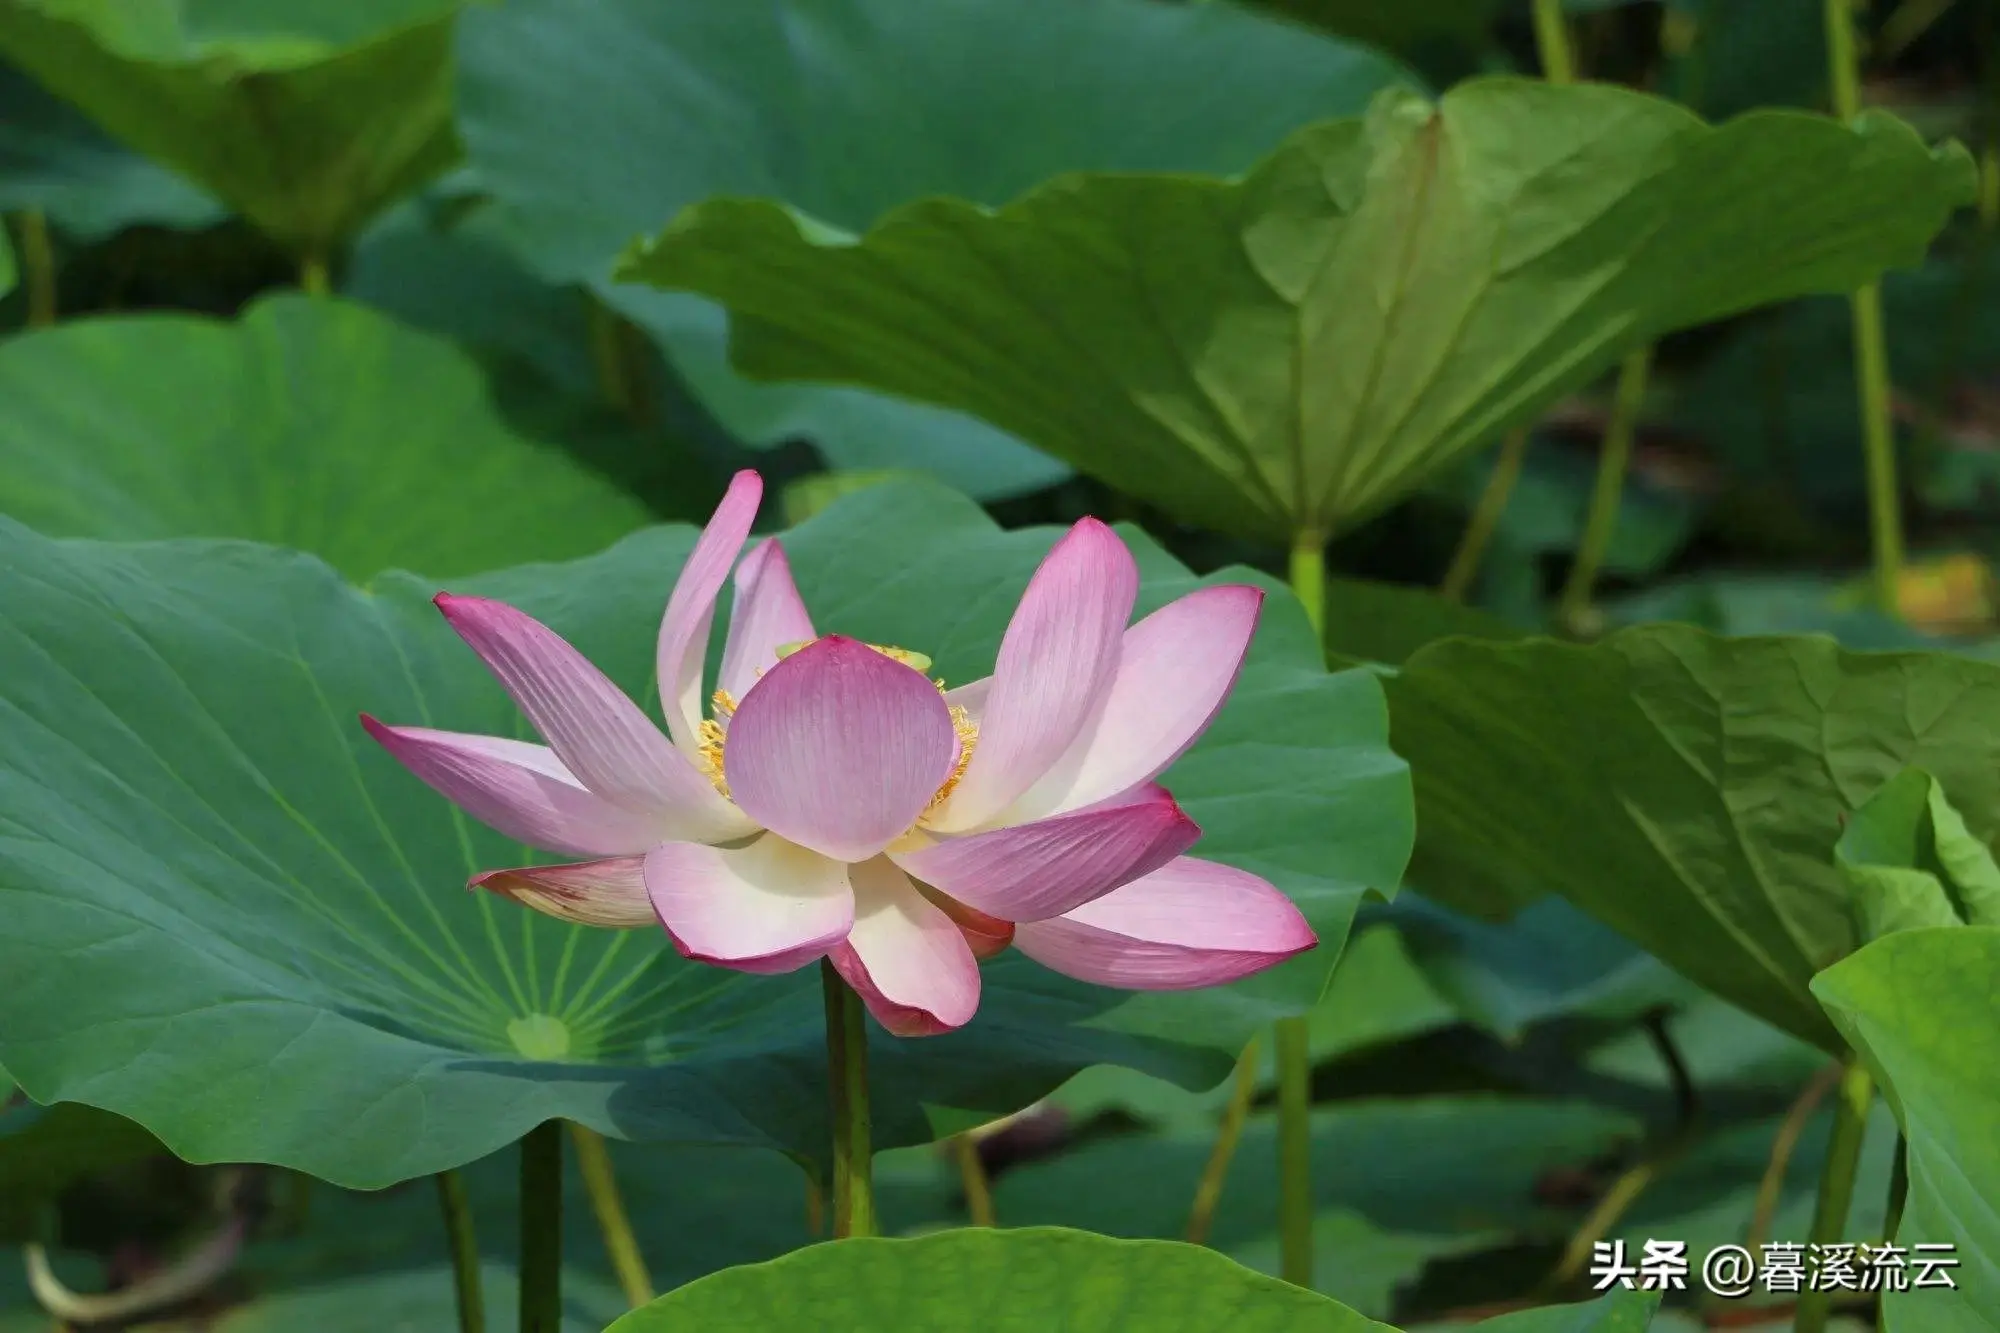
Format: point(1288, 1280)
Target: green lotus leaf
point(234, 920)
point(306, 116)
point(307, 422)
point(1687, 790)
point(850, 108)
point(1291, 351)
point(1912, 862)
point(1036, 1278)
point(1918, 1005)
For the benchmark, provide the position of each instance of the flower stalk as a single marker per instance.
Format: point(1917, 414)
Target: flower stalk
point(1601, 521)
point(1836, 1185)
point(1209, 1192)
point(594, 1160)
point(541, 1228)
point(38, 267)
point(1485, 520)
point(463, 1243)
point(847, 1086)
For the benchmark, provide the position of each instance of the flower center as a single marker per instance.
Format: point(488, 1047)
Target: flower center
point(714, 730)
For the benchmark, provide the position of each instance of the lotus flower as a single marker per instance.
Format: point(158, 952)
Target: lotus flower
point(838, 803)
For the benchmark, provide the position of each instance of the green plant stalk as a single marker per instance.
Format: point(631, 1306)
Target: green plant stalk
point(1485, 520)
point(1552, 42)
point(1295, 1194)
point(315, 279)
point(847, 1086)
point(1601, 521)
point(1836, 1184)
point(38, 268)
point(1899, 1190)
point(972, 1178)
point(1871, 347)
point(594, 1159)
point(541, 1228)
point(463, 1242)
point(1201, 1215)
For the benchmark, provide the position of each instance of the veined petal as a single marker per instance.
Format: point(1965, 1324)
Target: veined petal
point(518, 788)
point(1059, 655)
point(599, 735)
point(767, 614)
point(839, 748)
point(683, 646)
point(1190, 924)
point(590, 893)
point(769, 906)
point(1030, 872)
point(906, 959)
point(1174, 672)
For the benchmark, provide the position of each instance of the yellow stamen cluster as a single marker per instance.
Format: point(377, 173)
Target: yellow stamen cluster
point(711, 733)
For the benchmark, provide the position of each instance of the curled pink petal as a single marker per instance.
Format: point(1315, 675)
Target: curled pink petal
point(768, 906)
point(905, 958)
point(600, 736)
point(1030, 872)
point(839, 749)
point(1190, 924)
point(589, 893)
point(518, 788)
point(988, 936)
point(1059, 654)
point(1175, 671)
point(767, 614)
point(683, 646)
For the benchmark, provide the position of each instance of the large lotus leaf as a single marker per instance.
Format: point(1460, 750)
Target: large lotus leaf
point(1685, 789)
point(309, 423)
point(52, 157)
point(235, 921)
point(307, 116)
point(1912, 863)
point(981, 1280)
point(1295, 349)
point(849, 108)
point(1919, 1006)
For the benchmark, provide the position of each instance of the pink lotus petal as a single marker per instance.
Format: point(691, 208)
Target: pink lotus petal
point(683, 645)
point(1058, 657)
point(769, 906)
point(589, 893)
point(1030, 872)
point(839, 748)
point(1177, 667)
point(905, 958)
point(599, 735)
point(518, 788)
point(767, 614)
point(987, 936)
point(1193, 923)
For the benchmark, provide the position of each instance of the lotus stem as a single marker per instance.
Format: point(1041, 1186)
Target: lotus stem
point(464, 1246)
point(1772, 1187)
point(1552, 42)
point(847, 1084)
point(1295, 1194)
point(1615, 458)
point(1485, 518)
point(972, 1178)
point(38, 268)
point(182, 1280)
point(541, 1228)
point(594, 1159)
point(1216, 1173)
point(1836, 1184)
point(620, 379)
point(315, 279)
point(1899, 1189)
point(1871, 347)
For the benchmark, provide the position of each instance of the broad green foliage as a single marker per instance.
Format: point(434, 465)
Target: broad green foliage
point(307, 116)
point(413, 1302)
point(1919, 1006)
point(848, 109)
point(248, 894)
point(1911, 861)
point(1294, 350)
point(1408, 28)
point(307, 423)
point(1687, 790)
point(1042, 1278)
point(9, 274)
point(53, 158)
